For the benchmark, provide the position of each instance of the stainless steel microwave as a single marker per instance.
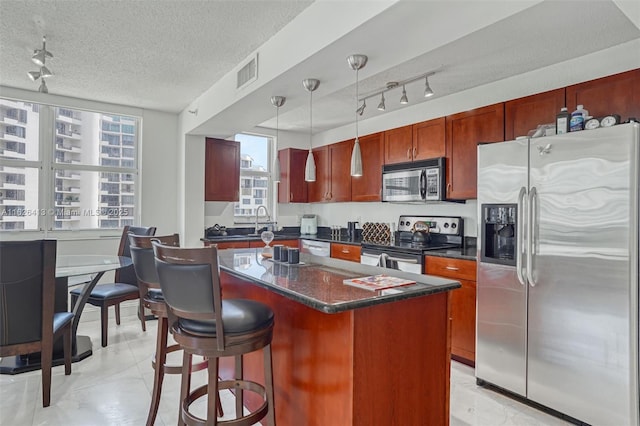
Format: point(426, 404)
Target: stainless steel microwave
point(414, 182)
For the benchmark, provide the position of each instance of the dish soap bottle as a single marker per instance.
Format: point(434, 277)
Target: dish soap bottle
point(562, 121)
point(577, 119)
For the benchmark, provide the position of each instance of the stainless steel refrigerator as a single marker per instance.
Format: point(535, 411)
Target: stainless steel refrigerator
point(557, 286)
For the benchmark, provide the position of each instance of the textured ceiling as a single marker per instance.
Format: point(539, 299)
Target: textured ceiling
point(155, 54)
point(164, 54)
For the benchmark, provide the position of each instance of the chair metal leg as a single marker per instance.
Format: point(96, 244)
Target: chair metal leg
point(158, 374)
point(104, 313)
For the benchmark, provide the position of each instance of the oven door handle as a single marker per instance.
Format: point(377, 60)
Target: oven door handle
point(423, 184)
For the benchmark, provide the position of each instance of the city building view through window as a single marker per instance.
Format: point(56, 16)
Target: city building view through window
point(255, 183)
point(83, 176)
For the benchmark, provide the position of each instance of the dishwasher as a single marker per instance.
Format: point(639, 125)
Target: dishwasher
point(317, 248)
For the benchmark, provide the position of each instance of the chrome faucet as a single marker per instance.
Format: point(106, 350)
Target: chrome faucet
point(257, 213)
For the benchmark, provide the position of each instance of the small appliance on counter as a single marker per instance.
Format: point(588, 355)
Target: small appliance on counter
point(309, 224)
point(215, 231)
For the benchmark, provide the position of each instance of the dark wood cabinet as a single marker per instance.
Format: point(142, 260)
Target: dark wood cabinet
point(398, 145)
point(464, 131)
point(615, 94)
point(318, 191)
point(292, 187)
point(333, 173)
point(429, 139)
point(368, 187)
point(340, 171)
point(348, 252)
point(524, 114)
point(463, 304)
point(222, 170)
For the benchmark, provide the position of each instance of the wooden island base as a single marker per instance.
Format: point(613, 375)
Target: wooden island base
point(386, 364)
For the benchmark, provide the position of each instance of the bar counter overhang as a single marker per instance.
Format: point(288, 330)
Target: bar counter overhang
point(344, 355)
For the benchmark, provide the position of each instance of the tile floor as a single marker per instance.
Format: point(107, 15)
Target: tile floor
point(113, 387)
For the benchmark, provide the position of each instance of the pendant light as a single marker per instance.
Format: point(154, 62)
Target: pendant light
point(403, 99)
point(277, 101)
point(310, 84)
point(356, 62)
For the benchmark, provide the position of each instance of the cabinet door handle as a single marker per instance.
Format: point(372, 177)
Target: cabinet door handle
point(291, 196)
point(345, 251)
point(452, 268)
point(415, 152)
point(448, 188)
point(409, 153)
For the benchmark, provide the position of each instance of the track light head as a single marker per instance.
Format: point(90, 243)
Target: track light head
point(404, 100)
point(45, 72)
point(360, 109)
point(34, 75)
point(43, 87)
point(427, 89)
point(381, 105)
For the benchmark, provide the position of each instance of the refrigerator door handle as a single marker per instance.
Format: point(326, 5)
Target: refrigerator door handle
point(533, 197)
point(520, 240)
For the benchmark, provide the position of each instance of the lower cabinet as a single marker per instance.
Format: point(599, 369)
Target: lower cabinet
point(345, 252)
point(463, 304)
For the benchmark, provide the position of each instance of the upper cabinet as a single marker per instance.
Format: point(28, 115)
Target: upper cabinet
point(419, 141)
point(464, 131)
point(429, 139)
point(398, 145)
point(222, 170)
point(333, 173)
point(319, 189)
point(292, 187)
point(615, 94)
point(525, 114)
point(368, 186)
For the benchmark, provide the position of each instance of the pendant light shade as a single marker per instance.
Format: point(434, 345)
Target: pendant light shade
point(310, 84)
point(381, 105)
point(310, 168)
point(277, 101)
point(404, 100)
point(356, 62)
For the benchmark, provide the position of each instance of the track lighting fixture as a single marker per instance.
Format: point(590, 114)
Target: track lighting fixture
point(394, 84)
point(356, 62)
point(277, 101)
point(39, 57)
point(427, 89)
point(404, 100)
point(381, 105)
point(310, 84)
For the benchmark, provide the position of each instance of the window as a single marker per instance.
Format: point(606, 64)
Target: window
point(255, 179)
point(84, 172)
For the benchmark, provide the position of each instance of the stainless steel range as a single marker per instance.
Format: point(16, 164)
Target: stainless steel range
point(415, 236)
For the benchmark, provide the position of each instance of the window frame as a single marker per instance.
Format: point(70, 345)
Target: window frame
point(48, 167)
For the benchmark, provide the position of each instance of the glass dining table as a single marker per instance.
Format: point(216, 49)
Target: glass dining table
point(93, 268)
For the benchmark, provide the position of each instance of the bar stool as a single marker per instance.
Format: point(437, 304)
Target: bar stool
point(152, 299)
point(204, 323)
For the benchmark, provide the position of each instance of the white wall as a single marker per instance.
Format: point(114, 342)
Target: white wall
point(599, 64)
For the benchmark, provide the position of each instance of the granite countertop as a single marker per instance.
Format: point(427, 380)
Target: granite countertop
point(240, 237)
point(318, 281)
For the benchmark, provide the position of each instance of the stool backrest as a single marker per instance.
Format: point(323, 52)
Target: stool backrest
point(128, 275)
point(144, 261)
point(190, 283)
point(27, 292)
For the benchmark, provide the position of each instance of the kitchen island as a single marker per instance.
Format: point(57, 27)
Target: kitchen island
point(343, 355)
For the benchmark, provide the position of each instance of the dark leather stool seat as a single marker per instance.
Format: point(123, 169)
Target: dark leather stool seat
point(205, 324)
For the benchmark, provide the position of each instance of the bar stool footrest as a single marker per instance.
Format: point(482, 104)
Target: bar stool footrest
point(245, 420)
point(177, 369)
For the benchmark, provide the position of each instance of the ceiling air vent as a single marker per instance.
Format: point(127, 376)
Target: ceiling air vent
point(248, 73)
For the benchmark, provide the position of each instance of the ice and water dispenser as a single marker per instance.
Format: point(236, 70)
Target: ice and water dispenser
point(499, 223)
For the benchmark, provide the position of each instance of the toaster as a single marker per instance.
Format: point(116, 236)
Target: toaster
point(309, 224)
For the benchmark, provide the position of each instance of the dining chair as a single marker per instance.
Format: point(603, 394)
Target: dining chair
point(124, 287)
point(28, 322)
point(204, 323)
point(153, 299)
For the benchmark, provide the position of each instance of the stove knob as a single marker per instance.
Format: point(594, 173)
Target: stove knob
point(407, 223)
point(454, 226)
point(446, 225)
point(402, 223)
